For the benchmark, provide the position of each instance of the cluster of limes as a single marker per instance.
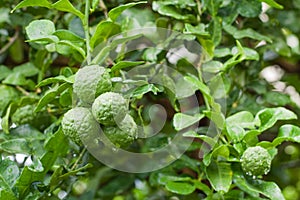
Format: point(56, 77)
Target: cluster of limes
point(98, 107)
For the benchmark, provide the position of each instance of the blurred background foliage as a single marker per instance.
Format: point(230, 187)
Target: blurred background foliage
point(267, 76)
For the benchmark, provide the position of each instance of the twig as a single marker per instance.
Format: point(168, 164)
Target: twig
point(22, 90)
point(79, 158)
point(86, 31)
point(10, 42)
point(103, 7)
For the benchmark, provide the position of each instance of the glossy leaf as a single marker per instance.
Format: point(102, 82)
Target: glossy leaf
point(114, 13)
point(219, 175)
point(125, 64)
point(27, 69)
point(245, 33)
point(287, 133)
point(209, 140)
point(243, 119)
point(26, 3)
point(51, 95)
point(40, 29)
point(57, 79)
point(256, 187)
point(16, 146)
point(103, 31)
point(182, 121)
point(182, 188)
point(66, 6)
point(266, 118)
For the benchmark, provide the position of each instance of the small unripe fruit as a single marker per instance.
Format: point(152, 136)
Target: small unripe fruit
point(79, 123)
point(256, 161)
point(109, 108)
point(90, 82)
point(122, 134)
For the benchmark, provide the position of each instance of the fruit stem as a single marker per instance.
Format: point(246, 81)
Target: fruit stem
point(86, 31)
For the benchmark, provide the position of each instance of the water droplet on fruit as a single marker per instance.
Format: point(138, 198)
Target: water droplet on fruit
point(115, 149)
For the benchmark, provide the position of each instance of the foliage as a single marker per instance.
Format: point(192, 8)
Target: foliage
point(44, 43)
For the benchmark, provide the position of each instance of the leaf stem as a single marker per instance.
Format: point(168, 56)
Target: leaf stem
point(85, 23)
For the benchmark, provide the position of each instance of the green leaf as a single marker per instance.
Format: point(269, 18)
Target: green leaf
point(125, 64)
point(40, 29)
point(249, 8)
point(212, 66)
point(170, 11)
point(266, 118)
point(205, 138)
point(27, 177)
point(243, 119)
point(66, 47)
point(69, 35)
point(273, 4)
point(245, 33)
point(181, 121)
point(4, 72)
point(277, 98)
point(219, 175)
point(28, 69)
point(221, 152)
point(15, 79)
point(66, 6)
point(256, 187)
point(27, 3)
point(104, 51)
point(57, 79)
point(9, 172)
point(198, 30)
point(13, 146)
point(141, 90)
point(51, 95)
point(213, 6)
point(287, 132)
point(55, 146)
point(165, 178)
point(103, 31)
point(7, 193)
point(182, 188)
point(217, 30)
point(119, 183)
point(114, 13)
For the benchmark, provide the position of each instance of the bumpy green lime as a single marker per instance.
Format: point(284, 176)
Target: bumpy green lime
point(122, 134)
point(90, 82)
point(26, 115)
point(256, 161)
point(7, 94)
point(79, 123)
point(109, 108)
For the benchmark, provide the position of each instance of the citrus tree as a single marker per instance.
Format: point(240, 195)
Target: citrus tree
point(149, 99)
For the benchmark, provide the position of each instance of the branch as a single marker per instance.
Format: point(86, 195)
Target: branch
point(10, 42)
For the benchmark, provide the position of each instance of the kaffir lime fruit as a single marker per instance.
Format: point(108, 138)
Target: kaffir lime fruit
point(90, 82)
point(109, 108)
point(122, 134)
point(7, 94)
point(26, 115)
point(256, 161)
point(79, 123)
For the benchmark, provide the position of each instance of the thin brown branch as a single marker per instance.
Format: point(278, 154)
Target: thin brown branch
point(10, 42)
